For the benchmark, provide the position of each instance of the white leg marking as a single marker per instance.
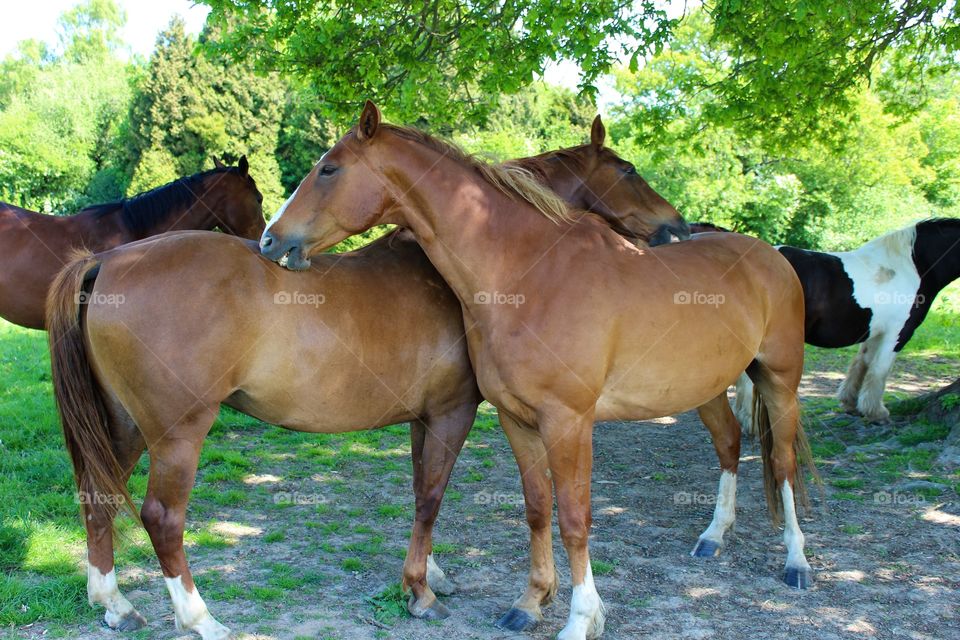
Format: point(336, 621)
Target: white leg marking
point(437, 579)
point(792, 536)
point(850, 387)
point(586, 611)
point(743, 405)
point(870, 402)
point(725, 512)
point(102, 589)
point(191, 612)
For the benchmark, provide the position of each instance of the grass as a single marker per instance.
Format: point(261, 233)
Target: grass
point(42, 549)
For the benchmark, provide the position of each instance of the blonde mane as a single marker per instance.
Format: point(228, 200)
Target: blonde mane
point(513, 180)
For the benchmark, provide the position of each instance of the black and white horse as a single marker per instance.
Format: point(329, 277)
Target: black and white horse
point(876, 295)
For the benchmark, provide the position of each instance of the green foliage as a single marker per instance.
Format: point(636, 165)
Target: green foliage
point(53, 133)
point(884, 172)
point(538, 118)
point(431, 61)
point(189, 107)
point(795, 67)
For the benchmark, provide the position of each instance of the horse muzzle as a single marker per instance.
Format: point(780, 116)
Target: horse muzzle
point(286, 252)
point(671, 232)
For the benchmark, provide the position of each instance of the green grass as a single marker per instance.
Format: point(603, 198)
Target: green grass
point(42, 540)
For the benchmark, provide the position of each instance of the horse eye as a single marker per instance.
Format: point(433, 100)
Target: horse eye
point(328, 170)
point(631, 171)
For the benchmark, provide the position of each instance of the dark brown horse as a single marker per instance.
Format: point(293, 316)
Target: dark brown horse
point(147, 367)
point(607, 330)
point(35, 246)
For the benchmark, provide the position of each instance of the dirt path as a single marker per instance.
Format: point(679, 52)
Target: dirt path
point(886, 567)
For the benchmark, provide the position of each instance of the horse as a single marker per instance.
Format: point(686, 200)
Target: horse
point(35, 246)
point(560, 313)
point(379, 322)
point(875, 296)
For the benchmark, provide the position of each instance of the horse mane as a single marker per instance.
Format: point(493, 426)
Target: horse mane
point(142, 212)
point(899, 241)
point(539, 165)
point(509, 178)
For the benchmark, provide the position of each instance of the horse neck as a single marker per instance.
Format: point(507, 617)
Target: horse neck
point(462, 222)
point(197, 212)
point(99, 230)
point(556, 175)
point(936, 254)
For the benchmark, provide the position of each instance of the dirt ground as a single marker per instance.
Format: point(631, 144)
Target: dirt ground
point(887, 561)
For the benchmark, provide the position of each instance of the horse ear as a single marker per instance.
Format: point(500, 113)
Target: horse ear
point(217, 164)
point(598, 133)
point(369, 122)
point(243, 166)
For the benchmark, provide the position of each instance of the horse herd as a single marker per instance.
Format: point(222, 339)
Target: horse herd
point(533, 284)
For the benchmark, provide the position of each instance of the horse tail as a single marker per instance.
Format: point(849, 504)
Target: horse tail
point(80, 401)
point(804, 456)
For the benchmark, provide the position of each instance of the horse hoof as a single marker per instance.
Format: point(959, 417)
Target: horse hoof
point(129, 622)
point(517, 620)
point(435, 611)
point(801, 578)
point(443, 586)
point(705, 549)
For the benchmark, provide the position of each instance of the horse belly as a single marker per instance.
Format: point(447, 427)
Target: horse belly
point(673, 376)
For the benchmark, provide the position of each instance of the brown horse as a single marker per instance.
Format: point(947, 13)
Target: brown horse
point(594, 178)
point(380, 323)
point(35, 246)
point(594, 328)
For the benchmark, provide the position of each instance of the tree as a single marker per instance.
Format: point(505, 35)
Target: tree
point(885, 171)
point(60, 117)
point(189, 107)
point(89, 32)
point(795, 67)
point(434, 62)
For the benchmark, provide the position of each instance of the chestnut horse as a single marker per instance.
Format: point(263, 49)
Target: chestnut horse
point(380, 323)
point(607, 330)
point(35, 246)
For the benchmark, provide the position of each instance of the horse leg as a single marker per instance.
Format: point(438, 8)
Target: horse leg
point(98, 519)
point(531, 458)
point(173, 468)
point(777, 387)
point(870, 402)
point(743, 405)
point(436, 443)
point(568, 438)
point(725, 430)
point(850, 387)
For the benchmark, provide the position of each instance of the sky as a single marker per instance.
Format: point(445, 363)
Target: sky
point(23, 19)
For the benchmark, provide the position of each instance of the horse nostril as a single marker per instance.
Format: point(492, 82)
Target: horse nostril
point(266, 241)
